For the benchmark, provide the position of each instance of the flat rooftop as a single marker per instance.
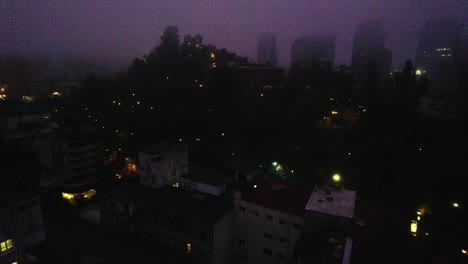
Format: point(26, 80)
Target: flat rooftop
point(208, 176)
point(277, 195)
point(198, 207)
point(332, 201)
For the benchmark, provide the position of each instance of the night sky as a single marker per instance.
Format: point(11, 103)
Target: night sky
point(118, 30)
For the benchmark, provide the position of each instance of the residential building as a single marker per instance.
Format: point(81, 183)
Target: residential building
point(438, 44)
point(266, 49)
point(83, 160)
point(369, 49)
point(269, 219)
point(204, 180)
point(194, 224)
point(314, 48)
point(330, 208)
point(163, 164)
point(21, 225)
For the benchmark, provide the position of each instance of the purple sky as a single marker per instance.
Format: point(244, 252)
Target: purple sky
point(119, 30)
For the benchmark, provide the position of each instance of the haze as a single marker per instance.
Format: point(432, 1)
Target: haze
point(116, 31)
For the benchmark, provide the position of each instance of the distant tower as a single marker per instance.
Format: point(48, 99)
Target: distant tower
point(438, 44)
point(369, 47)
point(266, 49)
point(313, 47)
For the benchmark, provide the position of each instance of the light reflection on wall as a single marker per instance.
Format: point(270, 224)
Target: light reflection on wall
point(72, 198)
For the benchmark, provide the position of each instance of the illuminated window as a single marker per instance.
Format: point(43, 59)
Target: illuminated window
point(414, 226)
point(9, 244)
point(189, 247)
point(6, 245)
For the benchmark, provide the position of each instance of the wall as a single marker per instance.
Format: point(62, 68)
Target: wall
point(222, 240)
point(252, 228)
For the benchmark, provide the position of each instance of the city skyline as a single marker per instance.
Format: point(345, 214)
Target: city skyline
point(93, 29)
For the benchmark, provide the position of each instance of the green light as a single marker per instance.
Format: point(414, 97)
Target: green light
point(274, 163)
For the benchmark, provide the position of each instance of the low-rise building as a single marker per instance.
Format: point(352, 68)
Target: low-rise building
point(163, 164)
point(204, 180)
point(269, 219)
point(191, 223)
point(329, 208)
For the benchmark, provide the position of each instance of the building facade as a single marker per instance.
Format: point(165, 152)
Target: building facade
point(163, 164)
point(269, 220)
point(192, 224)
point(369, 49)
point(318, 48)
point(266, 49)
point(21, 226)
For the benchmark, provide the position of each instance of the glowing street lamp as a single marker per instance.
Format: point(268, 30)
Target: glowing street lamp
point(274, 163)
point(336, 177)
point(455, 204)
point(419, 72)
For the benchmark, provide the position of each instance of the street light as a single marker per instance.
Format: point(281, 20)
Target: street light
point(336, 177)
point(274, 163)
point(456, 205)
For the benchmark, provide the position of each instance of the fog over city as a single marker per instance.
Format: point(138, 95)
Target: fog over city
point(116, 31)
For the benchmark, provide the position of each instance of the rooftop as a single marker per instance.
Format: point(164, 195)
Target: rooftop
point(277, 195)
point(197, 207)
point(332, 201)
point(207, 176)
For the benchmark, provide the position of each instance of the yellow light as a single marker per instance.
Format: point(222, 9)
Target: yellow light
point(189, 247)
point(3, 247)
point(418, 212)
point(212, 55)
point(427, 233)
point(67, 196)
point(255, 186)
point(456, 205)
point(418, 72)
point(118, 176)
point(56, 94)
point(334, 112)
point(464, 251)
point(9, 244)
point(419, 218)
point(138, 103)
point(200, 85)
point(414, 226)
point(336, 177)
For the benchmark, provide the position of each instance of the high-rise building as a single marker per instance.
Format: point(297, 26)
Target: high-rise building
point(438, 44)
point(313, 47)
point(266, 49)
point(369, 48)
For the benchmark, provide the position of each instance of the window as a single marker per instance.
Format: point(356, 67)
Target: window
point(297, 226)
point(189, 247)
point(282, 222)
point(268, 236)
point(282, 240)
point(241, 208)
point(267, 252)
point(241, 241)
point(6, 245)
point(254, 212)
point(269, 217)
point(280, 256)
